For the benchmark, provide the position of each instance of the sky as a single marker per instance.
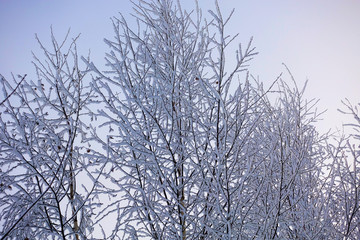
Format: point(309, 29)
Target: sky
point(319, 40)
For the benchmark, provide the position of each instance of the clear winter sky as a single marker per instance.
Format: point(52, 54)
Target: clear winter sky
point(319, 40)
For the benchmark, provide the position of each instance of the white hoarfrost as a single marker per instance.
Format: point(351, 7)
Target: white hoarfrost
point(174, 140)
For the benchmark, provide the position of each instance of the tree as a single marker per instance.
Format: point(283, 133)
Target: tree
point(345, 200)
point(197, 153)
point(41, 151)
point(185, 142)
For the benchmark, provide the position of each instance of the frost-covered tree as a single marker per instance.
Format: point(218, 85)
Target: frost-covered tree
point(198, 149)
point(184, 142)
point(345, 188)
point(292, 158)
point(42, 155)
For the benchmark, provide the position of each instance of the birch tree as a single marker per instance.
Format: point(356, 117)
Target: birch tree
point(42, 157)
point(345, 200)
point(198, 149)
point(184, 144)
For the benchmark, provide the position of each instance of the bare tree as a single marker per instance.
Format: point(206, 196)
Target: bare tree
point(42, 157)
point(185, 142)
point(198, 153)
point(345, 200)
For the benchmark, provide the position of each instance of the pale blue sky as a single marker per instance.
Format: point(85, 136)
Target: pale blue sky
point(317, 39)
